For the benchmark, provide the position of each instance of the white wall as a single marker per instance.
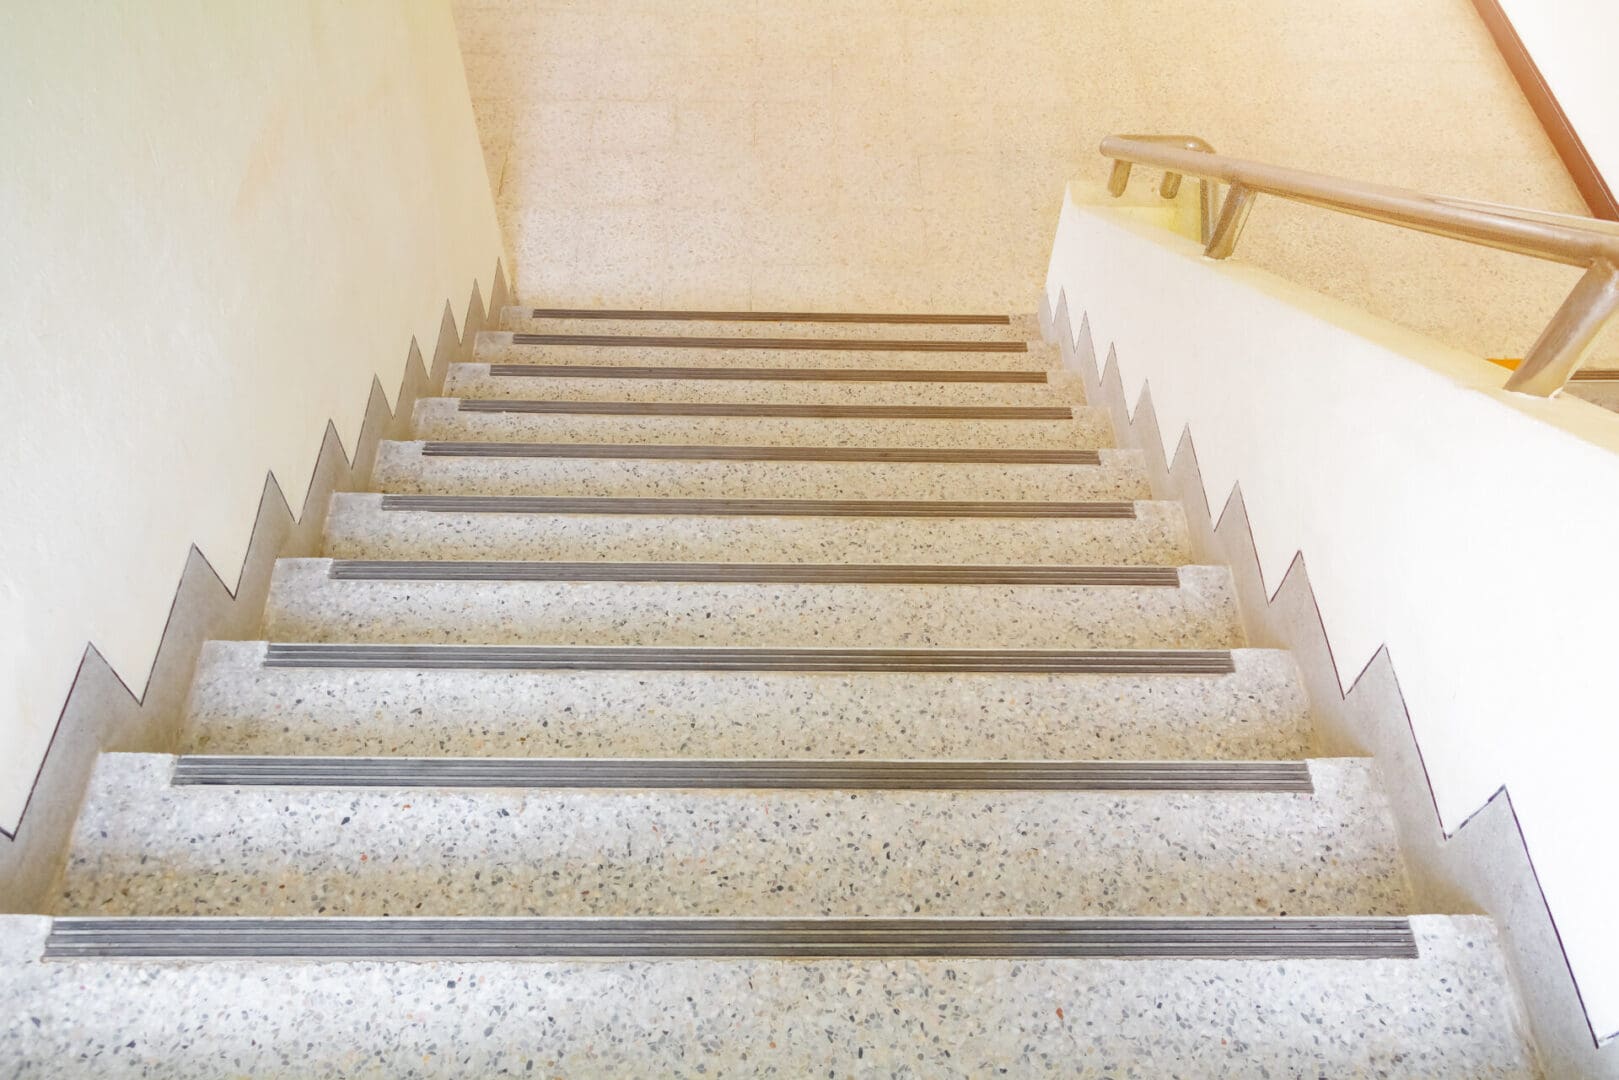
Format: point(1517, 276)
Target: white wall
point(220, 222)
point(1465, 528)
point(1572, 43)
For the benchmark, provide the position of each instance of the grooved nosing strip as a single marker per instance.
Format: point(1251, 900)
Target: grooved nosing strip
point(1272, 777)
point(1595, 375)
point(655, 451)
point(771, 316)
point(771, 573)
point(795, 412)
point(636, 658)
point(512, 938)
point(767, 374)
point(816, 344)
point(544, 504)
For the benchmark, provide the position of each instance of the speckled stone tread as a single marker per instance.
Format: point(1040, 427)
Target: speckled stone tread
point(402, 468)
point(239, 706)
point(142, 846)
point(306, 604)
point(1440, 1017)
point(524, 320)
point(475, 381)
point(358, 528)
point(442, 418)
point(497, 347)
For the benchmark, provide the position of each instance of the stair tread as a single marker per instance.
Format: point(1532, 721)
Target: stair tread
point(506, 347)
point(1254, 709)
point(307, 604)
point(444, 419)
point(788, 852)
point(358, 526)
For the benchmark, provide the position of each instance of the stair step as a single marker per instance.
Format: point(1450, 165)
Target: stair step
point(1252, 706)
point(1440, 1015)
point(641, 530)
point(444, 419)
point(768, 773)
point(798, 324)
point(641, 658)
point(1360, 938)
point(144, 845)
point(699, 472)
point(307, 604)
point(778, 385)
point(793, 573)
point(504, 347)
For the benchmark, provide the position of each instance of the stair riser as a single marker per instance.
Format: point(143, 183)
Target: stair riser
point(441, 418)
point(143, 846)
point(239, 707)
point(305, 605)
point(1021, 328)
point(401, 468)
point(357, 528)
point(497, 347)
point(474, 381)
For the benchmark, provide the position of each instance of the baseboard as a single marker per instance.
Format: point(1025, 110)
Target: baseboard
point(102, 713)
point(1483, 866)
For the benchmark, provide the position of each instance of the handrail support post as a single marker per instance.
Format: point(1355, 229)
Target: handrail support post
point(1239, 202)
point(1563, 345)
point(1119, 178)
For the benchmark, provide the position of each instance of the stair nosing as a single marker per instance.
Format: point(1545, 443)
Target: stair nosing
point(772, 411)
point(876, 318)
point(763, 573)
point(1212, 777)
point(545, 504)
point(768, 374)
point(352, 655)
point(660, 341)
point(657, 451)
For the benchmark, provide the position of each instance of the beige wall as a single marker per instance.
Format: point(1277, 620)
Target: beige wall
point(912, 153)
point(1429, 506)
point(221, 222)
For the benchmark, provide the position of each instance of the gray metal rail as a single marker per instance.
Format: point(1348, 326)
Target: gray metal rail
point(1562, 238)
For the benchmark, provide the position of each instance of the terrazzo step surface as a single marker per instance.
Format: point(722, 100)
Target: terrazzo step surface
point(358, 527)
point(306, 603)
point(402, 467)
point(445, 419)
point(668, 384)
point(145, 846)
point(239, 706)
point(1010, 328)
point(1442, 1015)
point(499, 347)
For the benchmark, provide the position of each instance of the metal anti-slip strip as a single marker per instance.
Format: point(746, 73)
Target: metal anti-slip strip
point(544, 504)
point(786, 573)
point(787, 412)
point(764, 374)
point(816, 344)
point(516, 938)
point(772, 316)
point(656, 452)
point(633, 658)
point(1291, 777)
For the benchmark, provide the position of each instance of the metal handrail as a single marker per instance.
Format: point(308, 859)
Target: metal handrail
point(1563, 238)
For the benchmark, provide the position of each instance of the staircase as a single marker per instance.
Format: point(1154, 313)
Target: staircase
point(715, 694)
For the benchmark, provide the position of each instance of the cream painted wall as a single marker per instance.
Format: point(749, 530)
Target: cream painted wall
point(220, 221)
point(911, 154)
point(1572, 43)
point(1437, 515)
